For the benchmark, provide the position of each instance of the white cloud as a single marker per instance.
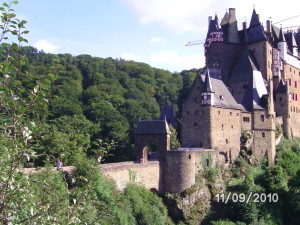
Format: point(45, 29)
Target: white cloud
point(46, 46)
point(192, 15)
point(177, 14)
point(171, 59)
point(157, 39)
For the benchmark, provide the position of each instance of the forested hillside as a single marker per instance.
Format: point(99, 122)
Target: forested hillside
point(97, 99)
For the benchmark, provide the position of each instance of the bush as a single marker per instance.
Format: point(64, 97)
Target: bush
point(275, 179)
point(147, 207)
point(290, 161)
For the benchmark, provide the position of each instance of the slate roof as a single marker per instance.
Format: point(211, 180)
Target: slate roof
point(256, 89)
point(275, 32)
point(256, 34)
point(152, 127)
point(254, 19)
point(281, 87)
point(168, 113)
point(244, 67)
point(222, 96)
point(290, 40)
point(207, 86)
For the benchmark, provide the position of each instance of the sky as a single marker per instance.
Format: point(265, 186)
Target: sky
point(150, 31)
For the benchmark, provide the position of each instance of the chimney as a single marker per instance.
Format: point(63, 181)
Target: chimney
point(244, 25)
point(232, 14)
point(209, 19)
point(269, 26)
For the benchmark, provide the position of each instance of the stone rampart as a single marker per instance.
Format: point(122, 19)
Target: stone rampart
point(147, 174)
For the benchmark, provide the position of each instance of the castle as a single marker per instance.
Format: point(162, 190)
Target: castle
point(250, 85)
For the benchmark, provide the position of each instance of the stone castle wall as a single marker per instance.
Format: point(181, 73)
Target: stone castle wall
point(292, 78)
point(264, 134)
point(225, 56)
point(183, 166)
point(146, 174)
point(226, 132)
point(195, 120)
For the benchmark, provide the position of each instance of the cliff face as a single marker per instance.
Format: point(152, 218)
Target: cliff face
point(194, 203)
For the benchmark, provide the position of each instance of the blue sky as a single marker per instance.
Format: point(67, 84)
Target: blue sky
point(150, 31)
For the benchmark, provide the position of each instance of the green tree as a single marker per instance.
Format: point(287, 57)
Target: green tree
point(65, 138)
point(275, 179)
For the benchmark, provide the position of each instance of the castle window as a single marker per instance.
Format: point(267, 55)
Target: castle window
point(245, 86)
point(219, 112)
point(195, 124)
point(263, 134)
point(290, 69)
point(222, 125)
point(262, 118)
point(237, 114)
point(226, 141)
point(295, 84)
point(290, 82)
point(187, 112)
point(231, 126)
point(280, 99)
point(296, 97)
point(190, 156)
point(230, 113)
point(246, 119)
point(221, 97)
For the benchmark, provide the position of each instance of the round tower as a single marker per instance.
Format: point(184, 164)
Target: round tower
point(181, 171)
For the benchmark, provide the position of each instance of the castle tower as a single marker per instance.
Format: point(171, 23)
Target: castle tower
point(271, 116)
point(294, 46)
point(229, 27)
point(282, 46)
point(207, 91)
point(287, 130)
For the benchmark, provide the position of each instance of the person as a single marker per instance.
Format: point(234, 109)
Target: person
point(142, 160)
point(59, 165)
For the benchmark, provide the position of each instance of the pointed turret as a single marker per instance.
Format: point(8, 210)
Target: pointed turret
point(281, 36)
point(254, 19)
point(169, 114)
point(282, 45)
point(294, 46)
point(225, 19)
point(207, 90)
point(217, 21)
point(281, 87)
point(256, 30)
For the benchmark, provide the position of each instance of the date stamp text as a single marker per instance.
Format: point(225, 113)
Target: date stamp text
point(249, 197)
